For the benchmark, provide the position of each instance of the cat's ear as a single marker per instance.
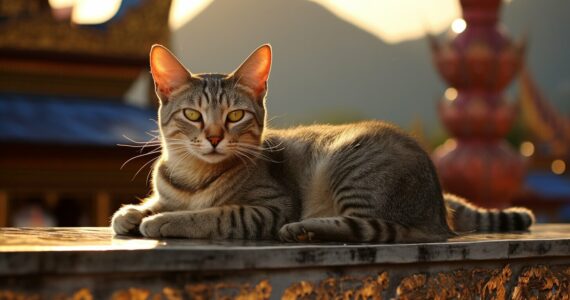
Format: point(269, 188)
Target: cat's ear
point(254, 71)
point(168, 73)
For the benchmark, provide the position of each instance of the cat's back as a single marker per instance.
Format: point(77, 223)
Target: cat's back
point(325, 138)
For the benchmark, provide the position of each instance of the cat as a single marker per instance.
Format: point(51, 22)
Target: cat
point(224, 175)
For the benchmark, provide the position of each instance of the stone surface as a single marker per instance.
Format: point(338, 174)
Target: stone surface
point(96, 250)
point(90, 263)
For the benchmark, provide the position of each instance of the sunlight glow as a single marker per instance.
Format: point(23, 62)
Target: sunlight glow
point(88, 11)
point(396, 20)
point(182, 11)
point(558, 167)
point(450, 94)
point(103, 245)
point(458, 25)
point(527, 149)
point(57, 4)
point(94, 11)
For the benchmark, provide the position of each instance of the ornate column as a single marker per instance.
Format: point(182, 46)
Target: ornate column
point(478, 64)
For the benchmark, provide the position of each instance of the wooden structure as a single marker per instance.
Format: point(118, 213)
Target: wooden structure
point(61, 105)
point(549, 130)
point(89, 263)
point(478, 64)
point(42, 54)
point(547, 150)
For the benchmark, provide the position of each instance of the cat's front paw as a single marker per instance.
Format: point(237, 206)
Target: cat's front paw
point(126, 220)
point(294, 232)
point(155, 226)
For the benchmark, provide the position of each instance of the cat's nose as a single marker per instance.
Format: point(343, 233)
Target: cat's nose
point(215, 139)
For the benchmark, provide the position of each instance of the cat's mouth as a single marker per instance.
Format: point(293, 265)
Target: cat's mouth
point(214, 156)
point(214, 152)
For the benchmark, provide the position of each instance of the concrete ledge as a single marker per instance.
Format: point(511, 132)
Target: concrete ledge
point(70, 259)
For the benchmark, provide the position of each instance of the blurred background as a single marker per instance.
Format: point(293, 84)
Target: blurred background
point(75, 85)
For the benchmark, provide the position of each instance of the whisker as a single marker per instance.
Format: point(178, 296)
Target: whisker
point(261, 148)
point(140, 169)
point(138, 156)
point(257, 154)
point(150, 172)
point(273, 118)
point(245, 155)
point(239, 155)
point(138, 146)
point(252, 153)
point(152, 135)
point(136, 142)
point(271, 145)
point(150, 142)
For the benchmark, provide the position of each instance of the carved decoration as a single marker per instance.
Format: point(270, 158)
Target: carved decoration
point(40, 54)
point(18, 9)
point(205, 291)
point(200, 291)
point(542, 282)
point(342, 288)
point(129, 37)
point(460, 284)
point(536, 282)
point(131, 294)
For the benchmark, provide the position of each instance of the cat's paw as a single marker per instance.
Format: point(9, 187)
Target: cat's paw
point(155, 226)
point(294, 232)
point(126, 220)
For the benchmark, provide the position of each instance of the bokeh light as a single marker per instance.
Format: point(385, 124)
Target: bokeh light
point(526, 149)
point(450, 94)
point(458, 25)
point(558, 166)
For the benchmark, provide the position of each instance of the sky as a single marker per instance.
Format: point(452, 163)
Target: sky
point(392, 21)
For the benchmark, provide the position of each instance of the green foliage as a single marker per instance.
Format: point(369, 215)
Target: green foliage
point(518, 133)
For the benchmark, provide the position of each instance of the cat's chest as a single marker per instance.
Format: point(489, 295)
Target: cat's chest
point(174, 199)
point(175, 196)
point(184, 190)
point(199, 200)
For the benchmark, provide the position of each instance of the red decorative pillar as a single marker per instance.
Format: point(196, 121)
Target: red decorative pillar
point(478, 64)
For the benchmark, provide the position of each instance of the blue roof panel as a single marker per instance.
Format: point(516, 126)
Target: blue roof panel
point(50, 119)
point(548, 184)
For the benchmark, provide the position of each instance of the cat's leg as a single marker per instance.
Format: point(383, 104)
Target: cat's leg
point(224, 222)
point(126, 220)
point(351, 229)
point(375, 200)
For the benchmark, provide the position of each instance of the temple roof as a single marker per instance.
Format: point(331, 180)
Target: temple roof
point(548, 184)
point(77, 121)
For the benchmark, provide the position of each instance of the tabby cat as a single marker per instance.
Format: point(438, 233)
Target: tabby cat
point(224, 175)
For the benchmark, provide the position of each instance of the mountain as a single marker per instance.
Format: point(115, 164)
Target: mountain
point(327, 69)
point(322, 64)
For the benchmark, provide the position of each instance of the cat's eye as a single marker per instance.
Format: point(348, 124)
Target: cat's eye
point(192, 115)
point(236, 115)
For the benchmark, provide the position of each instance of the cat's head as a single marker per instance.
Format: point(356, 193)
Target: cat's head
point(211, 117)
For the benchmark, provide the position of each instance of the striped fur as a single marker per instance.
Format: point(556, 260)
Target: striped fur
point(362, 182)
point(466, 217)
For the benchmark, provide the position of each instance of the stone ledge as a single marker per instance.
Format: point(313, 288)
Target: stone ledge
point(27, 251)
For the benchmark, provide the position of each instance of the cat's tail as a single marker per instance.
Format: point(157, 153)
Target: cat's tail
point(466, 217)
